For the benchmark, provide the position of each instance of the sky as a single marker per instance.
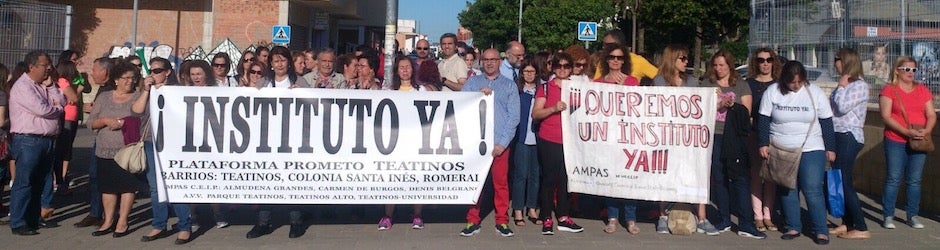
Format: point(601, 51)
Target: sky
point(433, 20)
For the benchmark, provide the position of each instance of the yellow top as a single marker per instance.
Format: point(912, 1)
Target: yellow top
point(640, 66)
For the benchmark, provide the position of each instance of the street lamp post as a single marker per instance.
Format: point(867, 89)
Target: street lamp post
point(519, 34)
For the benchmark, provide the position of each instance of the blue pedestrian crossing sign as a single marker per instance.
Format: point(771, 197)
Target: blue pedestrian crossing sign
point(587, 31)
point(280, 34)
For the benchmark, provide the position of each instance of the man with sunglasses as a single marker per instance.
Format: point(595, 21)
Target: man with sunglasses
point(425, 66)
point(510, 65)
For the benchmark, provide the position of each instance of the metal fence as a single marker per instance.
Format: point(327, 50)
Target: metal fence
point(812, 31)
point(31, 25)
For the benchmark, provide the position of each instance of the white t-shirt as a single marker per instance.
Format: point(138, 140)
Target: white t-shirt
point(280, 84)
point(791, 115)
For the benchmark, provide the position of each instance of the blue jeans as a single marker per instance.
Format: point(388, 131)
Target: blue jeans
point(48, 190)
point(730, 191)
point(525, 177)
point(95, 209)
point(847, 149)
point(901, 160)
point(159, 209)
point(810, 180)
point(34, 159)
point(615, 204)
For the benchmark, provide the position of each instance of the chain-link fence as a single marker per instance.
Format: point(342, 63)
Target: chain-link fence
point(812, 31)
point(31, 25)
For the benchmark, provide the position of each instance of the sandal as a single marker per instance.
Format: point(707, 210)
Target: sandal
point(770, 225)
point(611, 226)
point(519, 222)
point(632, 228)
point(760, 225)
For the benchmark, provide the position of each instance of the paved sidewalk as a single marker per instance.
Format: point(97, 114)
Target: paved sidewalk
point(353, 227)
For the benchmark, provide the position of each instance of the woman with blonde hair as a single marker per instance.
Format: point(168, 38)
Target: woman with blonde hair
point(849, 103)
point(672, 67)
point(905, 105)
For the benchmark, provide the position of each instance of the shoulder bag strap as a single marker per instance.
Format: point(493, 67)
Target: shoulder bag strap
point(897, 96)
point(812, 101)
point(146, 129)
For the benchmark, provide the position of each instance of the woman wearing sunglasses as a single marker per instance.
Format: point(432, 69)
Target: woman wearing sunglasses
point(849, 107)
point(241, 71)
point(253, 75)
point(160, 75)
point(615, 69)
point(905, 104)
point(762, 71)
point(221, 65)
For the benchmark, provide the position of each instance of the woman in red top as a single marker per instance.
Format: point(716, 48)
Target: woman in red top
point(616, 70)
point(903, 95)
point(548, 107)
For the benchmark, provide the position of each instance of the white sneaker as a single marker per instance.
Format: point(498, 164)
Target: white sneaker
point(915, 223)
point(889, 222)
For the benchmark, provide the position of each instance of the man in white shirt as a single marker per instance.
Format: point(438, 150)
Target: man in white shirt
point(452, 67)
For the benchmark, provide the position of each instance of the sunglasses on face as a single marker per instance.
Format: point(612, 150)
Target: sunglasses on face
point(249, 59)
point(563, 66)
point(580, 65)
point(219, 65)
point(908, 69)
point(157, 70)
point(760, 60)
point(683, 58)
point(422, 48)
point(618, 58)
point(254, 72)
point(836, 59)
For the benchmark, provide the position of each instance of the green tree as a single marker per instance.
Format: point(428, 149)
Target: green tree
point(546, 24)
point(715, 23)
point(493, 22)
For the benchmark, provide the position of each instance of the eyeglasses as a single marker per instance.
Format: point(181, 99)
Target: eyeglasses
point(908, 69)
point(580, 65)
point(254, 72)
point(422, 48)
point(562, 66)
point(490, 59)
point(612, 57)
point(837, 59)
point(683, 58)
point(760, 60)
point(249, 59)
point(219, 65)
point(157, 70)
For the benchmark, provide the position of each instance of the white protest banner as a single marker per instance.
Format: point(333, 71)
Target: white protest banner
point(645, 143)
point(320, 146)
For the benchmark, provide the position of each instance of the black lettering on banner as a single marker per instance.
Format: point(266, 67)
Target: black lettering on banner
point(190, 119)
point(449, 132)
point(240, 124)
point(159, 142)
point(389, 105)
point(328, 126)
point(306, 106)
point(285, 125)
point(264, 105)
point(362, 108)
point(426, 119)
point(215, 120)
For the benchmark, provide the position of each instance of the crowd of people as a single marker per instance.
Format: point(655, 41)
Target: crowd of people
point(41, 109)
